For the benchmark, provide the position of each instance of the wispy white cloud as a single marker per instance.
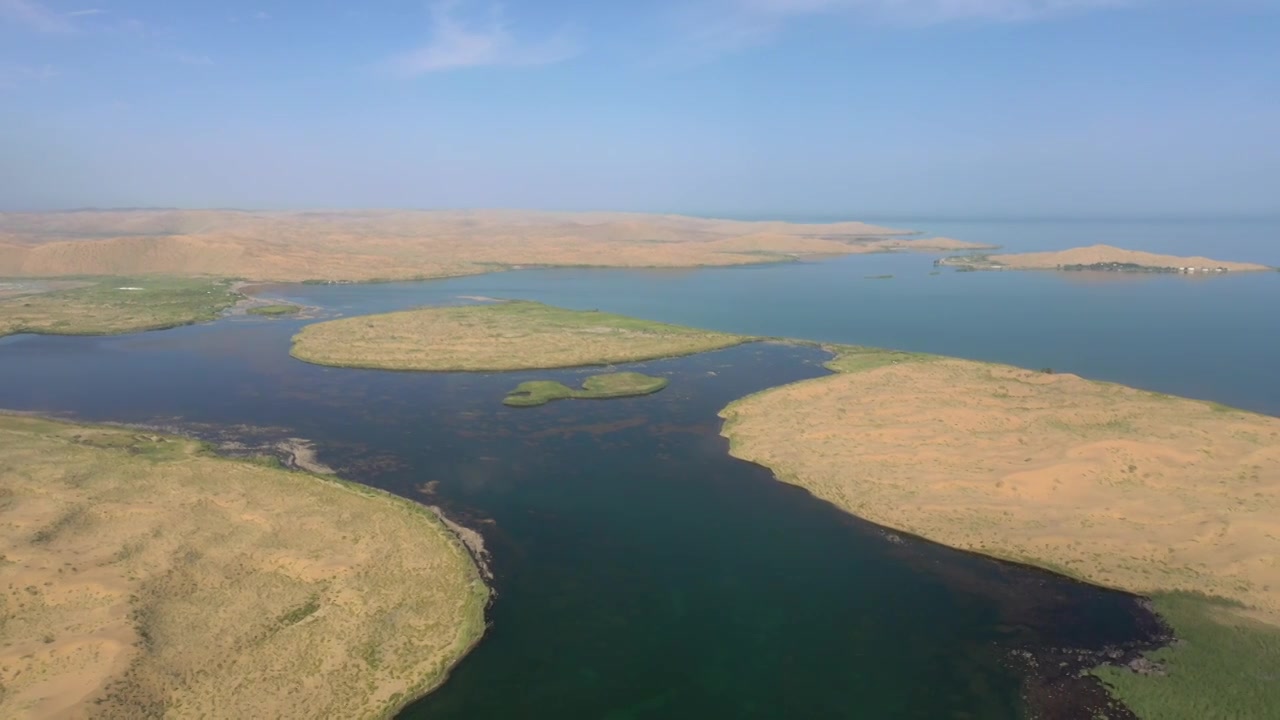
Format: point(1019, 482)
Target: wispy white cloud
point(34, 16)
point(12, 75)
point(727, 24)
point(487, 41)
point(925, 11)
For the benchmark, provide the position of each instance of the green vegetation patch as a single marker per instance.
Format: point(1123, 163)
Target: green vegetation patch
point(113, 305)
point(300, 613)
point(596, 387)
point(855, 358)
point(149, 446)
point(1224, 666)
point(275, 310)
point(1125, 267)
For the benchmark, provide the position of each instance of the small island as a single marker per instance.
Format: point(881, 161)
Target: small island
point(112, 305)
point(1098, 258)
point(144, 573)
point(274, 310)
point(497, 337)
point(1168, 497)
point(611, 385)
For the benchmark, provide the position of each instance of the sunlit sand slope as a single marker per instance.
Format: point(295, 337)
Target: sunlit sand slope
point(1118, 486)
point(142, 577)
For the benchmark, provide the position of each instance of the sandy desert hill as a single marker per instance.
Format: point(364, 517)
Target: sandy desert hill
point(1125, 488)
point(398, 244)
point(1095, 254)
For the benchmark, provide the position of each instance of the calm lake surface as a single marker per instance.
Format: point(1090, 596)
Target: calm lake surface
point(640, 571)
point(1215, 338)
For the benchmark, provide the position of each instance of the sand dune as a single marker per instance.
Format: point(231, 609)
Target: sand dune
point(1095, 254)
point(146, 578)
point(1121, 487)
point(394, 244)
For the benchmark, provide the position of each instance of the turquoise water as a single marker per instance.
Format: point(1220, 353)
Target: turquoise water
point(640, 571)
point(1215, 338)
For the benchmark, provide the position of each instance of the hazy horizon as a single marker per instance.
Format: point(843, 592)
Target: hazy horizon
point(859, 109)
point(873, 218)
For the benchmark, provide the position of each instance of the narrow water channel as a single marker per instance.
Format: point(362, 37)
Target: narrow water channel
point(641, 572)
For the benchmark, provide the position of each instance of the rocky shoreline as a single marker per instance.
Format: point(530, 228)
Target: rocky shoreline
point(1059, 684)
point(1043, 640)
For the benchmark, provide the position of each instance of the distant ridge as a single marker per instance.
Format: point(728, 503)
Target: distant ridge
point(367, 245)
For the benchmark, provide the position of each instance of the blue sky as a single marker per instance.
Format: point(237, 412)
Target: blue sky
point(859, 108)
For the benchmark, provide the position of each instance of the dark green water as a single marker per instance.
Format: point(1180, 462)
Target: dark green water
point(640, 571)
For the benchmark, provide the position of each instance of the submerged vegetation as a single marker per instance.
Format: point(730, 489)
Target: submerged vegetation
point(1222, 667)
point(502, 336)
point(146, 577)
point(112, 305)
point(1124, 488)
point(596, 387)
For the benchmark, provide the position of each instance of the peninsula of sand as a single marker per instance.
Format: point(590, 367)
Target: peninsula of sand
point(1122, 487)
point(146, 577)
point(1171, 498)
point(1104, 258)
point(404, 245)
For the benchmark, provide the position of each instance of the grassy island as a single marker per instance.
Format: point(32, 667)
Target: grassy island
point(1173, 498)
point(612, 385)
point(502, 336)
point(275, 310)
point(144, 577)
point(114, 305)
